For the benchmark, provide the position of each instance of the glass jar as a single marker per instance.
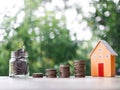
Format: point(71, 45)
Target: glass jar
point(18, 65)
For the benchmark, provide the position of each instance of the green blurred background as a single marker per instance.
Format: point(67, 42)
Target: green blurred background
point(48, 39)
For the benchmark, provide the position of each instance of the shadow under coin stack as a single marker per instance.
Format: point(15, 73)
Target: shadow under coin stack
point(51, 73)
point(79, 68)
point(64, 71)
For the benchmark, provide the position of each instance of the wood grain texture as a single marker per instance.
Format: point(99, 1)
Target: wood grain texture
point(87, 83)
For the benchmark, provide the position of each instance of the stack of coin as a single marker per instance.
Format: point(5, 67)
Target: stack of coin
point(51, 73)
point(37, 75)
point(64, 71)
point(79, 68)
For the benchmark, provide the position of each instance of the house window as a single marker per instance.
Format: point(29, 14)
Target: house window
point(94, 56)
point(100, 56)
point(107, 56)
point(100, 49)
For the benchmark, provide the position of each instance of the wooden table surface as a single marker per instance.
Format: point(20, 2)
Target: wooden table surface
point(87, 83)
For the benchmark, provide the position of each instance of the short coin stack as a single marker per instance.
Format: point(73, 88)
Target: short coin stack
point(51, 73)
point(79, 68)
point(37, 75)
point(64, 71)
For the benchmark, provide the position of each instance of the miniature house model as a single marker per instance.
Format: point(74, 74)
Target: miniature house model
point(103, 60)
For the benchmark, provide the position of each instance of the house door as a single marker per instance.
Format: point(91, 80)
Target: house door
point(100, 69)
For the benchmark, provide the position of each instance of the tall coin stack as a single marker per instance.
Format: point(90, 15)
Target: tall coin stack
point(64, 71)
point(51, 73)
point(79, 68)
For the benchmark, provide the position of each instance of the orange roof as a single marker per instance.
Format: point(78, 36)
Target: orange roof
point(108, 47)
